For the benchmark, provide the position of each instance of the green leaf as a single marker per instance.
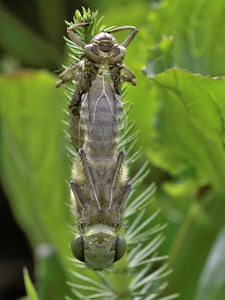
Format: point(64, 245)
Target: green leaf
point(199, 42)
point(160, 57)
point(212, 281)
point(187, 140)
point(51, 273)
point(30, 289)
point(34, 163)
point(188, 134)
point(24, 44)
point(193, 243)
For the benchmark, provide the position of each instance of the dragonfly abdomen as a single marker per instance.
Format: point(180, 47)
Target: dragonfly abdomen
point(100, 117)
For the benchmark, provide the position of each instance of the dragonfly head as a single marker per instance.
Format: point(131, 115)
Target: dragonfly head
point(98, 249)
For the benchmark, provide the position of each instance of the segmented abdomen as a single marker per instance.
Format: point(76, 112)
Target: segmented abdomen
point(100, 176)
point(100, 117)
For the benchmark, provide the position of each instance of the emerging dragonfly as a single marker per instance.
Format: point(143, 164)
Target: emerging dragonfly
point(99, 180)
point(99, 185)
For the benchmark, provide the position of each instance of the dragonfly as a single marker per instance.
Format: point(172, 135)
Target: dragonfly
point(99, 186)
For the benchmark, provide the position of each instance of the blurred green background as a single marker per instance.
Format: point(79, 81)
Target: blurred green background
point(179, 110)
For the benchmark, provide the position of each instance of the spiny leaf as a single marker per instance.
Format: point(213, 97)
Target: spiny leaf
point(126, 268)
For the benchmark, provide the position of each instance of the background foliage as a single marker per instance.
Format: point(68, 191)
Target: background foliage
point(179, 111)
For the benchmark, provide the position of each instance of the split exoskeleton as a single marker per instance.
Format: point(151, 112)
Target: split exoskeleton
point(103, 51)
point(99, 185)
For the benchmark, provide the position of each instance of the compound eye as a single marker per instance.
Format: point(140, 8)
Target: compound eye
point(77, 247)
point(120, 248)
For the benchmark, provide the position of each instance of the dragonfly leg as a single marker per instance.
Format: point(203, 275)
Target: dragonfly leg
point(79, 196)
point(73, 36)
point(128, 75)
point(122, 198)
point(68, 74)
point(121, 73)
point(88, 173)
point(130, 37)
point(115, 176)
